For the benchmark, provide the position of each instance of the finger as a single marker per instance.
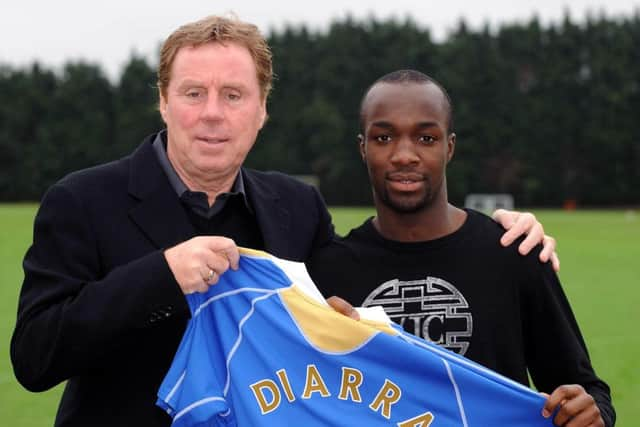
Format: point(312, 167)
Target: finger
point(584, 422)
point(578, 403)
point(548, 247)
point(548, 252)
point(586, 412)
point(524, 223)
point(535, 235)
point(504, 217)
point(510, 235)
point(201, 287)
point(233, 255)
point(560, 395)
point(198, 285)
point(343, 307)
point(227, 248)
point(186, 264)
point(577, 411)
point(555, 262)
point(211, 278)
point(217, 264)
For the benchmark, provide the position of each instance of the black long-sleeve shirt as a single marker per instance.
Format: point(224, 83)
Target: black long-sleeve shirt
point(469, 294)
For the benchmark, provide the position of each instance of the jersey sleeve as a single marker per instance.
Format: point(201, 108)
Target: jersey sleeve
point(195, 390)
point(482, 396)
point(192, 392)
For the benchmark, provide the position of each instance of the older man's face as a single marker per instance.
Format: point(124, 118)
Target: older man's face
point(213, 110)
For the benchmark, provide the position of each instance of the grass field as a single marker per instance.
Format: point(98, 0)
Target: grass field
point(600, 254)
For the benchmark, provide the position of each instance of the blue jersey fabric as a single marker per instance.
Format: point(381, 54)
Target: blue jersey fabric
point(261, 349)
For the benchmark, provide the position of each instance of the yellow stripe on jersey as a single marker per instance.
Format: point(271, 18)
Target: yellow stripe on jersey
point(254, 252)
point(316, 321)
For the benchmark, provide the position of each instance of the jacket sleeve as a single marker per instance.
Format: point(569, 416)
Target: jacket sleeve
point(325, 231)
point(556, 351)
point(72, 313)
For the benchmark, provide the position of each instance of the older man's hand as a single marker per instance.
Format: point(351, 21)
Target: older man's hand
point(519, 223)
point(197, 263)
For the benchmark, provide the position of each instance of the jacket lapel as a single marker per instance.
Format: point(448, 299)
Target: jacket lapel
point(273, 219)
point(161, 217)
point(159, 214)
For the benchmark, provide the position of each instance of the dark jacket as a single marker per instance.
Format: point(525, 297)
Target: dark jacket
point(99, 306)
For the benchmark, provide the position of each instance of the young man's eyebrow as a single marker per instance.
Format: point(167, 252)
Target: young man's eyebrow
point(382, 124)
point(423, 125)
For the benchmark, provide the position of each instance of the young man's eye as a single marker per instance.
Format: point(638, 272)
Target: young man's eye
point(382, 138)
point(427, 139)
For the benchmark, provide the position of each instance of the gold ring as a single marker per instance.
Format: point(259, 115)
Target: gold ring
point(210, 276)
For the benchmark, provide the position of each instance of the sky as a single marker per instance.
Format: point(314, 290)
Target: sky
point(108, 32)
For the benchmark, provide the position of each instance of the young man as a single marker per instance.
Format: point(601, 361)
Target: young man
point(439, 270)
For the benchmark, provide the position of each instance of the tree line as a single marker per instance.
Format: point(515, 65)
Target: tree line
point(546, 113)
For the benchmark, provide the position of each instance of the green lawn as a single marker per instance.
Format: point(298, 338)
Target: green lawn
point(600, 254)
point(18, 407)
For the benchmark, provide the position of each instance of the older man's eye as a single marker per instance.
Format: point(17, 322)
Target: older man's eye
point(194, 93)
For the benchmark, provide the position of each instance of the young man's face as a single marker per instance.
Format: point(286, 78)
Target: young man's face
point(213, 110)
point(405, 145)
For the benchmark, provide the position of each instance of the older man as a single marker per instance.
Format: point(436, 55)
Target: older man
point(117, 246)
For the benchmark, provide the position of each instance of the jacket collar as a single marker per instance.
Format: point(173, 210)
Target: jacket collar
point(159, 213)
point(273, 218)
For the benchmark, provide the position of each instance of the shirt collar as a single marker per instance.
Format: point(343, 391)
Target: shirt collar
point(194, 198)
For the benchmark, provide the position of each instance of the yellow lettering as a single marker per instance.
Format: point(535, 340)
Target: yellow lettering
point(422, 420)
point(284, 380)
point(351, 380)
point(314, 383)
point(388, 395)
point(259, 389)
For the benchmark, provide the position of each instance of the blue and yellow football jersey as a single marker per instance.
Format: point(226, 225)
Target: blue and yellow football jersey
point(263, 349)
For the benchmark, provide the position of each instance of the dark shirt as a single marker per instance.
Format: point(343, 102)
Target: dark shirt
point(467, 293)
point(230, 215)
point(196, 200)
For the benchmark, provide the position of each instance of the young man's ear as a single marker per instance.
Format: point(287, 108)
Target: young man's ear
point(361, 147)
point(451, 146)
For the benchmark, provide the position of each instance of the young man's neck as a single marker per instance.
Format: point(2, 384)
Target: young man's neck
point(430, 223)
